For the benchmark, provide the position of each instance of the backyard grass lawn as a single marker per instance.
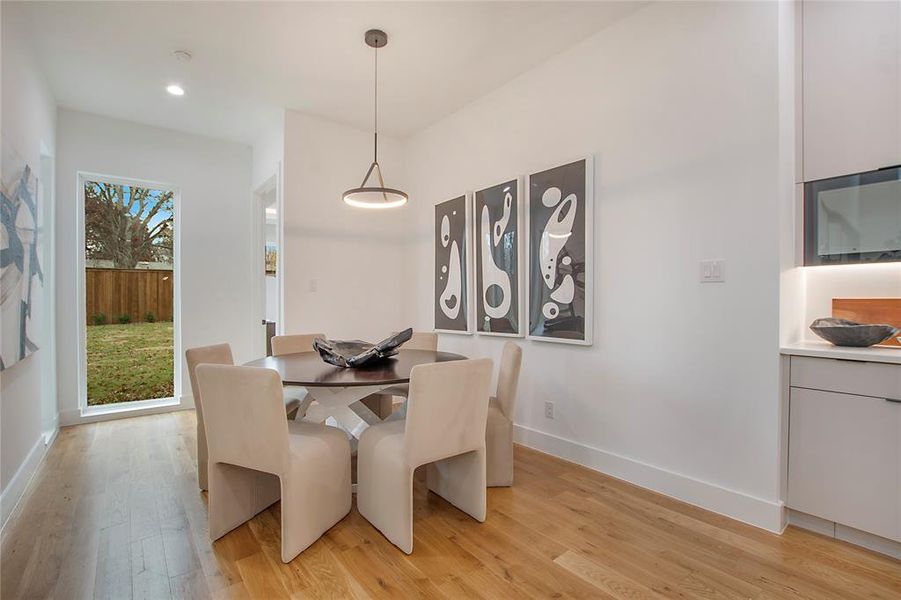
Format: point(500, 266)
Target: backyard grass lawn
point(129, 362)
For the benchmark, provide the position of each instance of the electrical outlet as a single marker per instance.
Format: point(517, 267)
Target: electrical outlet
point(548, 410)
point(314, 285)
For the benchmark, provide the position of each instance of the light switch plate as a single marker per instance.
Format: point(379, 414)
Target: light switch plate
point(713, 270)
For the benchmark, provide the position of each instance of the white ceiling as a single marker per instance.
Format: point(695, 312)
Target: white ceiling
point(251, 59)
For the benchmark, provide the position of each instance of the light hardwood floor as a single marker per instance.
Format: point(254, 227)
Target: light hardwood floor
point(114, 512)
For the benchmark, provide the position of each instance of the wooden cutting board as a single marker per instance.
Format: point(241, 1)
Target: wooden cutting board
point(870, 310)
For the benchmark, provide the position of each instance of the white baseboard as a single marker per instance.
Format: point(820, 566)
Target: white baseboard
point(75, 416)
point(16, 487)
point(731, 503)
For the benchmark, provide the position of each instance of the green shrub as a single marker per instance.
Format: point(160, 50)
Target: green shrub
point(150, 317)
point(99, 319)
point(124, 319)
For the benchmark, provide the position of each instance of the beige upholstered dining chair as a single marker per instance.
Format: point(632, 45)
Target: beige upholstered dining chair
point(421, 340)
point(257, 457)
point(218, 354)
point(292, 344)
point(445, 428)
point(499, 430)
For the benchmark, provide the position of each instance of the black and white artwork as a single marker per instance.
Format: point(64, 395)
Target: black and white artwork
point(496, 251)
point(451, 274)
point(560, 253)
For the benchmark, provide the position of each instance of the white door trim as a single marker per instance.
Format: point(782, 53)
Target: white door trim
point(257, 252)
point(81, 317)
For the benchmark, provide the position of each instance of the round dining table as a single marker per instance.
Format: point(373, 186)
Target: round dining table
point(338, 391)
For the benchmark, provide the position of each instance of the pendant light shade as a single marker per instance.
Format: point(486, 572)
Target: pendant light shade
point(375, 196)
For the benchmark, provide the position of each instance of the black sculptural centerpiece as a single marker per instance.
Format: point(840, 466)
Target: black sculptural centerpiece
point(842, 332)
point(356, 353)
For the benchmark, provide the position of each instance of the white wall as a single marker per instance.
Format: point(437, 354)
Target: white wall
point(268, 152)
point(356, 258)
point(214, 227)
point(27, 126)
point(680, 105)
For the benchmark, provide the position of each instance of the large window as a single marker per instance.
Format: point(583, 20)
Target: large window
point(129, 292)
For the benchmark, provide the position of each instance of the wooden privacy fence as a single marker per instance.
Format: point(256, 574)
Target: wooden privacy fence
point(132, 292)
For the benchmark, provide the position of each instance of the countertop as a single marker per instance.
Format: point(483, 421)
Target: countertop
point(827, 350)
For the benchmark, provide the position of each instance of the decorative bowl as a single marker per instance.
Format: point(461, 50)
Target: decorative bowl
point(357, 353)
point(842, 332)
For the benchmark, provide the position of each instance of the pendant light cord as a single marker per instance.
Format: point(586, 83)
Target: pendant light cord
point(375, 135)
point(375, 127)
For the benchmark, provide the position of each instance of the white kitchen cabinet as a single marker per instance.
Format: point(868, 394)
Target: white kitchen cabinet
point(851, 87)
point(862, 378)
point(845, 459)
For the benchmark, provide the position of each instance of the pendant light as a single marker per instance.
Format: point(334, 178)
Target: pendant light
point(370, 196)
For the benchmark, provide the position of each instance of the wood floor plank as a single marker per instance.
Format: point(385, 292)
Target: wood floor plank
point(189, 586)
point(327, 573)
point(178, 545)
point(518, 565)
point(236, 591)
point(149, 578)
point(259, 577)
point(114, 511)
point(266, 531)
point(615, 584)
point(113, 578)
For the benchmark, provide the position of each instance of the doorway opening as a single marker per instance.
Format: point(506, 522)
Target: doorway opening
point(269, 272)
point(129, 291)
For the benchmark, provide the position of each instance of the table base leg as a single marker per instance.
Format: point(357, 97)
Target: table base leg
point(341, 407)
point(343, 404)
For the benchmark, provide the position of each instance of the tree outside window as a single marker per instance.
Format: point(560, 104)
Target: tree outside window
point(127, 224)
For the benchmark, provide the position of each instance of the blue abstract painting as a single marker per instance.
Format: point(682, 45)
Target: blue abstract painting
point(20, 269)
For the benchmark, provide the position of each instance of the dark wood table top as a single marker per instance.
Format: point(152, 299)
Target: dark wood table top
point(308, 369)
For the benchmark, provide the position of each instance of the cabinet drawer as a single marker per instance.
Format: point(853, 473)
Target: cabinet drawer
point(862, 378)
point(844, 460)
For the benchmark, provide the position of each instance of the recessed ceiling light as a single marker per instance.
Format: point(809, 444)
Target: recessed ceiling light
point(175, 89)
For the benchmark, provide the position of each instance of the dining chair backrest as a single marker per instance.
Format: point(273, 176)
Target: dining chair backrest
point(244, 416)
point(508, 378)
point(292, 344)
point(447, 409)
point(422, 340)
point(218, 354)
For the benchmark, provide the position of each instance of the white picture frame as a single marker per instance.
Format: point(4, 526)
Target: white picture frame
point(588, 193)
point(522, 264)
point(466, 266)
